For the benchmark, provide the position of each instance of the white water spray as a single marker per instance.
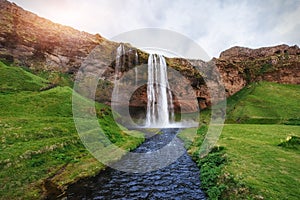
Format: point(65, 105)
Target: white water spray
point(120, 60)
point(136, 62)
point(160, 109)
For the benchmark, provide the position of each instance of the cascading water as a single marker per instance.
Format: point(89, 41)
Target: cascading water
point(160, 110)
point(136, 69)
point(160, 106)
point(120, 60)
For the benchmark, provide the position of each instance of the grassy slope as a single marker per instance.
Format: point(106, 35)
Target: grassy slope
point(265, 103)
point(256, 166)
point(38, 139)
point(256, 159)
point(14, 79)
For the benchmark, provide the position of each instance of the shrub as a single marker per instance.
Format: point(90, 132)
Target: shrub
point(210, 170)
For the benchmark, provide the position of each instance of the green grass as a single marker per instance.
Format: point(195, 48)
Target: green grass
point(39, 144)
point(292, 142)
point(265, 103)
point(55, 102)
point(258, 147)
point(14, 79)
point(256, 159)
point(57, 78)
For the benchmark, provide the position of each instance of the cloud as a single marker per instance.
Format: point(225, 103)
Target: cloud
point(215, 25)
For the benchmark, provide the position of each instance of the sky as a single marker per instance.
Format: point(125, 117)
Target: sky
point(215, 25)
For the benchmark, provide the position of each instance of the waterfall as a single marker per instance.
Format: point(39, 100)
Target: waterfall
point(160, 110)
point(120, 60)
point(136, 62)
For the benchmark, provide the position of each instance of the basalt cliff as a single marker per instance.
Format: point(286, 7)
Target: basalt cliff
point(27, 40)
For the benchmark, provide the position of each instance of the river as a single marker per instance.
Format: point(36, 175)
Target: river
point(179, 180)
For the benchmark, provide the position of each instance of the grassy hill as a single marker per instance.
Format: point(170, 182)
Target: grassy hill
point(14, 79)
point(258, 161)
point(257, 155)
point(40, 150)
point(265, 103)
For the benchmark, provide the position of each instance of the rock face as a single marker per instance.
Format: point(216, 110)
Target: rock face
point(240, 66)
point(34, 42)
point(237, 67)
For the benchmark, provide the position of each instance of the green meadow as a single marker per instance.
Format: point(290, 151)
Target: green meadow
point(40, 150)
point(265, 103)
point(257, 160)
point(257, 155)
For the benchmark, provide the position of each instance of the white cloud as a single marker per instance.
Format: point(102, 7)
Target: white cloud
point(215, 25)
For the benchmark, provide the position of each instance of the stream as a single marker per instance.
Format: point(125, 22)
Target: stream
point(179, 180)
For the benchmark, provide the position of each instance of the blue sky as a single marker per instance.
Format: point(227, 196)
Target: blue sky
point(215, 25)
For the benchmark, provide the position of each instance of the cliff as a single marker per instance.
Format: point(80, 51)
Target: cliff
point(240, 66)
point(31, 41)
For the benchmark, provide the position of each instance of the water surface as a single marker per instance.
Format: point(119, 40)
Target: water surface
point(179, 180)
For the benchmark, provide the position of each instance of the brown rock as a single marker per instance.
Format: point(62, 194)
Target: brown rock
point(29, 40)
point(35, 42)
